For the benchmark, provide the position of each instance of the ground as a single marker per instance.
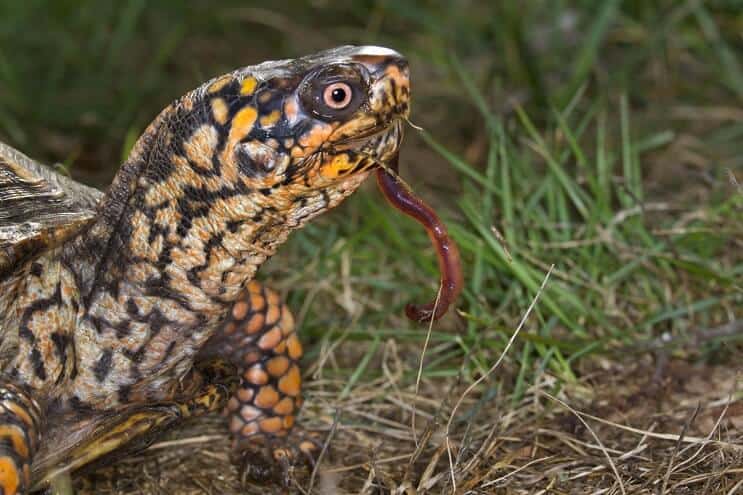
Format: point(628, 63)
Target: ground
point(586, 158)
point(666, 431)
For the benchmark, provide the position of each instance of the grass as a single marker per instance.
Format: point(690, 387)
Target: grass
point(601, 137)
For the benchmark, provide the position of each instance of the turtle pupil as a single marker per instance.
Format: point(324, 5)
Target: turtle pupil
point(338, 95)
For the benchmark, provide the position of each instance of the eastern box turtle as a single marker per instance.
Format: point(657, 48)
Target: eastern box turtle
point(123, 312)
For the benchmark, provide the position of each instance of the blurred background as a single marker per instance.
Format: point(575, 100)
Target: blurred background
point(604, 137)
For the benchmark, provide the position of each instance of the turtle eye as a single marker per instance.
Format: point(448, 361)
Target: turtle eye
point(337, 95)
point(335, 92)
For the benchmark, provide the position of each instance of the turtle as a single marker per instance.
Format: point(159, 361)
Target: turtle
point(123, 312)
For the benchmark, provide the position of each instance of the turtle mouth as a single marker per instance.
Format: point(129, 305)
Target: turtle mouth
point(378, 145)
point(372, 148)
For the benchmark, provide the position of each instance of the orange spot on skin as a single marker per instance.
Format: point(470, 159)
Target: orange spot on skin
point(257, 301)
point(291, 110)
point(294, 347)
point(219, 110)
point(288, 422)
point(248, 86)
point(255, 324)
point(230, 328)
point(254, 287)
point(245, 394)
point(336, 166)
point(270, 425)
point(291, 383)
point(272, 315)
point(256, 375)
point(284, 407)
point(273, 297)
point(281, 348)
point(270, 339)
point(240, 310)
point(219, 83)
point(287, 321)
point(270, 119)
point(267, 397)
point(17, 438)
point(242, 123)
point(9, 476)
point(249, 429)
point(316, 136)
point(277, 366)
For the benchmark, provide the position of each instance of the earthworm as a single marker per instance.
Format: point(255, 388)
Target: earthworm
point(402, 198)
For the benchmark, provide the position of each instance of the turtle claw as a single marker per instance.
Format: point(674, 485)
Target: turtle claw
point(278, 459)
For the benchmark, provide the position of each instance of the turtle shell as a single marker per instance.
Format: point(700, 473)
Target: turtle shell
point(39, 208)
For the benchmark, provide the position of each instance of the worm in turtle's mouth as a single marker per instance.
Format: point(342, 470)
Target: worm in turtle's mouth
point(382, 146)
point(402, 198)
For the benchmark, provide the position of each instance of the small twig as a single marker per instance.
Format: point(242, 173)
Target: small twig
point(676, 449)
point(185, 441)
point(420, 364)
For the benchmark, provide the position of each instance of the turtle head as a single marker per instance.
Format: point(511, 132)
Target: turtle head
point(222, 176)
point(309, 130)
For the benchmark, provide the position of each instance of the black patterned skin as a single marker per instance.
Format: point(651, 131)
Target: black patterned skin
point(160, 277)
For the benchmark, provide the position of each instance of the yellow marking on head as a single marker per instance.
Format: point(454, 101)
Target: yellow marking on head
point(219, 83)
point(219, 110)
point(242, 123)
point(248, 86)
point(270, 119)
point(337, 166)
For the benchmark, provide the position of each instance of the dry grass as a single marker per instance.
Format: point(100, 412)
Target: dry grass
point(623, 428)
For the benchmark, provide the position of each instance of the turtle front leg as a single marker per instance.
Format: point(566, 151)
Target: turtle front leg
point(20, 424)
point(260, 338)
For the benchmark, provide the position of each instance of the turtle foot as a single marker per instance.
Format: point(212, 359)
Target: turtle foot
point(278, 459)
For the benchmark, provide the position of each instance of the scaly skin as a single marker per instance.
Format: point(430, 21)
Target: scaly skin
point(118, 314)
